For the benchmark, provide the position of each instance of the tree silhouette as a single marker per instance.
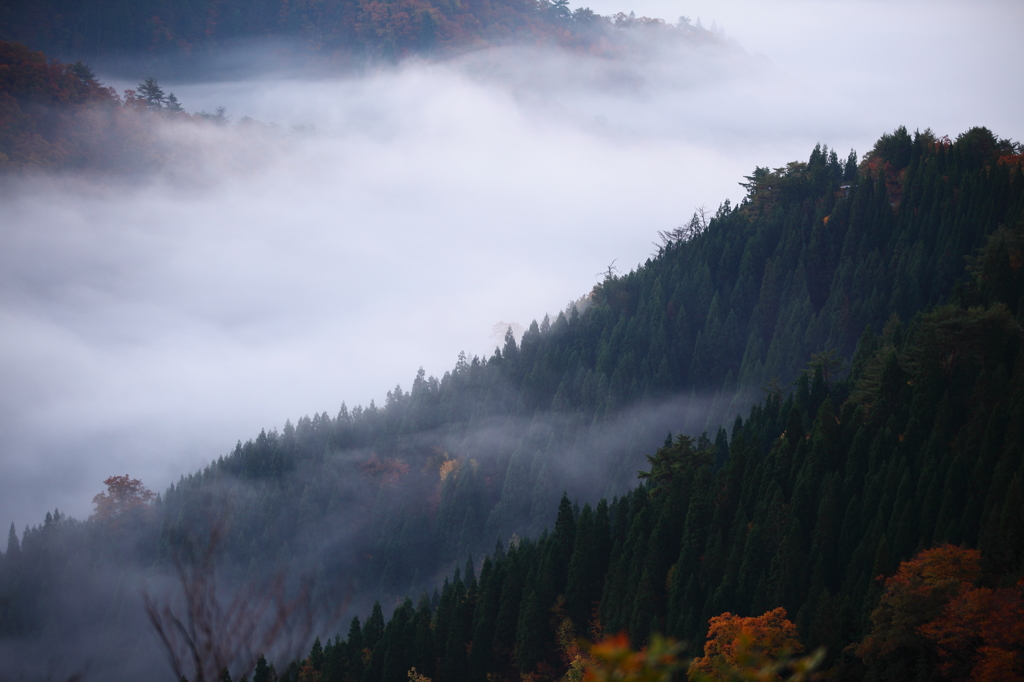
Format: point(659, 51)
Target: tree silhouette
point(124, 496)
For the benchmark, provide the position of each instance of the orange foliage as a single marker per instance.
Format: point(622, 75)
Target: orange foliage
point(1015, 162)
point(738, 642)
point(613, 660)
point(124, 495)
point(56, 116)
point(449, 467)
point(28, 74)
point(308, 673)
point(916, 595)
point(387, 469)
point(893, 179)
point(933, 602)
point(980, 635)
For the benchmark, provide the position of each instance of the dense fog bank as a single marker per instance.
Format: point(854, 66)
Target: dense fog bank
point(270, 272)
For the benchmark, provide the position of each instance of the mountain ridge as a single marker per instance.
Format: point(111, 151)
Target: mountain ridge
point(781, 287)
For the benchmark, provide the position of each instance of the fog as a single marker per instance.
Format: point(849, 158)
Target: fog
point(390, 219)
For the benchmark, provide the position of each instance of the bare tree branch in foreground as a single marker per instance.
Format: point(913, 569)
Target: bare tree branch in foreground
point(209, 633)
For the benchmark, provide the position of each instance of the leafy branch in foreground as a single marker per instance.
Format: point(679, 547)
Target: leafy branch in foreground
point(750, 659)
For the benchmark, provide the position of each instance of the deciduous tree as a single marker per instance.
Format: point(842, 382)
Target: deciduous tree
point(124, 496)
point(980, 635)
point(736, 642)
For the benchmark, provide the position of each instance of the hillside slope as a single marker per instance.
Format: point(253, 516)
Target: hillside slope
point(921, 446)
point(384, 501)
point(814, 255)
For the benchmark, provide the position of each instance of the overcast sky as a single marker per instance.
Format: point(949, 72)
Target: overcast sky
point(145, 330)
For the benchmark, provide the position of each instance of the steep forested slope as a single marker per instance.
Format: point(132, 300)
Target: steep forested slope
point(385, 500)
point(820, 494)
point(487, 449)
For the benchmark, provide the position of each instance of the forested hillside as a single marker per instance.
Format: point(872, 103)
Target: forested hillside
point(684, 343)
point(887, 292)
point(57, 117)
point(819, 497)
point(332, 31)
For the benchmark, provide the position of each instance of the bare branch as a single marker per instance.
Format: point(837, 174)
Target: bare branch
point(209, 633)
point(697, 225)
point(610, 271)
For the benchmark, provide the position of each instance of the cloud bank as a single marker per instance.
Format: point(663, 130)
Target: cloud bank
point(393, 217)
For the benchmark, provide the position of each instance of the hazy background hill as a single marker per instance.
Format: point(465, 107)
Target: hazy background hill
point(187, 39)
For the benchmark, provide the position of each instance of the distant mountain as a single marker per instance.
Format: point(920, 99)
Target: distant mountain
point(338, 32)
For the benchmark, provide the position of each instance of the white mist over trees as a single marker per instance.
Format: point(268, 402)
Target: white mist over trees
point(428, 201)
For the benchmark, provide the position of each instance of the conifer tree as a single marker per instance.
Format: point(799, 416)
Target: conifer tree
point(13, 546)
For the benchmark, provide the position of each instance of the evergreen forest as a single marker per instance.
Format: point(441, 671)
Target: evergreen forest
point(812, 400)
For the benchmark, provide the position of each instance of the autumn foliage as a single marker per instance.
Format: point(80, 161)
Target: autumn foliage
point(739, 649)
point(50, 113)
point(739, 644)
point(613, 660)
point(58, 117)
point(124, 496)
point(980, 635)
point(387, 470)
point(933, 607)
point(916, 596)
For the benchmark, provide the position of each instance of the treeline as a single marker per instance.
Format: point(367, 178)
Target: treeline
point(922, 445)
point(52, 115)
point(816, 253)
point(57, 117)
point(385, 500)
point(330, 30)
